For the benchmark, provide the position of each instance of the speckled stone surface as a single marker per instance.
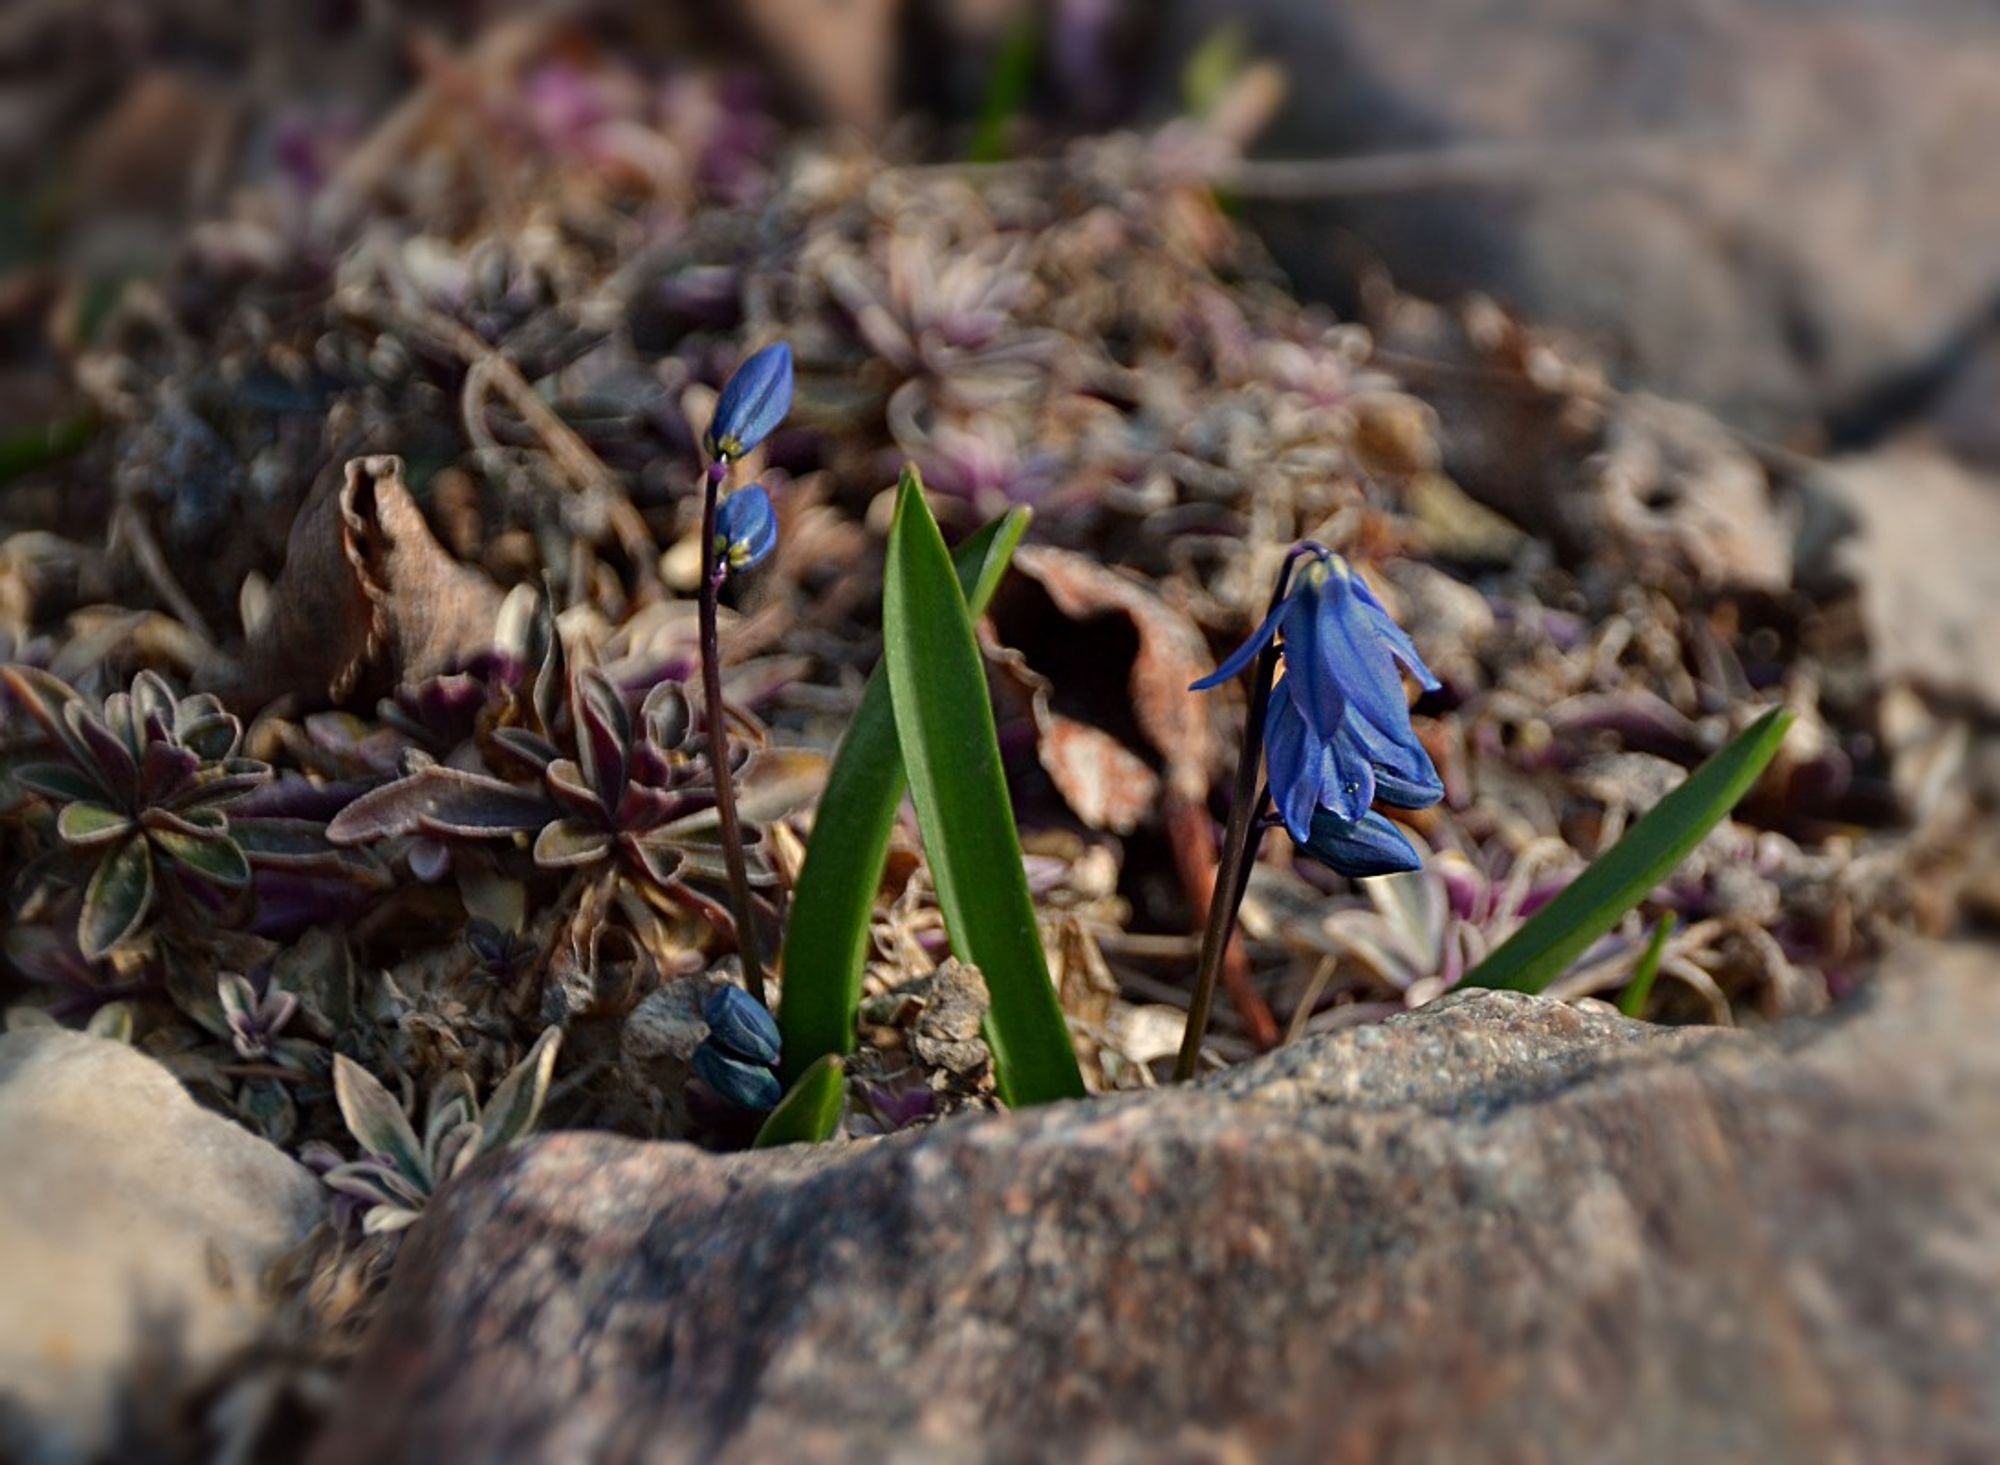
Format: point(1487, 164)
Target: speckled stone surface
point(1495, 1229)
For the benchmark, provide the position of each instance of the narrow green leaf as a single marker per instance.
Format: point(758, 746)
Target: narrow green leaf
point(1618, 880)
point(1008, 83)
point(810, 1113)
point(1632, 1001)
point(944, 723)
point(826, 932)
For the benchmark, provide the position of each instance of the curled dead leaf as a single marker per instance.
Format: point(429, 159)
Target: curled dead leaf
point(366, 594)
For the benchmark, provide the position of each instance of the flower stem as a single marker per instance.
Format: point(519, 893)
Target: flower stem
point(1239, 839)
point(718, 747)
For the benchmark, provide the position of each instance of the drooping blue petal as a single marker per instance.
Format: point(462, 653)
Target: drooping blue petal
point(1347, 774)
point(753, 402)
point(746, 1085)
point(1405, 777)
point(1353, 657)
point(1318, 690)
point(1359, 848)
point(1242, 656)
point(1291, 761)
point(746, 528)
point(1399, 642)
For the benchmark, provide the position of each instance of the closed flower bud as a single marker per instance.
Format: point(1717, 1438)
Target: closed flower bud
point(753, 402)
point(739, 1025)
point(746, 529)
point(745, 1085)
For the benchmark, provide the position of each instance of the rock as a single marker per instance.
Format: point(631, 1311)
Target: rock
point(1496, 1228)
point(132, 1222)
point(1801, 217)
point(1923, 554)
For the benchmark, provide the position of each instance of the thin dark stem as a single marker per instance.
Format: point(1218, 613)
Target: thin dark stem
point(1239, 840)
point(718, 749)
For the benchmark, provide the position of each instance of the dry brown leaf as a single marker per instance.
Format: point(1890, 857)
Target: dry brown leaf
point(1171, 654)
point(366, 592)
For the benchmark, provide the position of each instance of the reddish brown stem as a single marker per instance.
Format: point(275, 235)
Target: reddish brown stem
point(718, 749)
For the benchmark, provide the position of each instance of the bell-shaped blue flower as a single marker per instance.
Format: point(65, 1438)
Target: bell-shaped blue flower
point(1337, 734)
point(746, 529)
point(753, 402)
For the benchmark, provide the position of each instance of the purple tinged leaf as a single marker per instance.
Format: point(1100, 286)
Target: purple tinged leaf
point(195, 823)
point(165, 770)
point(552, 678)
point(117, 900)
point(83, 826)
point(238, 998)
point(216, 860)
point(661, 860)
point(377, 1121)
point(151, 698)
point(301, 844)
point(536, 751)
point(44, 697)
point(571, 789)
point(567, 842)
point(214, 738)
point(666, 716)
point(603, 735)
point(109, 758)
point(59, 781)
point(371, 1181)
point(448, 802)
point(517, 1102)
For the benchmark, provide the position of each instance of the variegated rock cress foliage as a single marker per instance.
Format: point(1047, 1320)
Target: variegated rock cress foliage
point(400, 1170)
point(601, 788)
point(140, 788)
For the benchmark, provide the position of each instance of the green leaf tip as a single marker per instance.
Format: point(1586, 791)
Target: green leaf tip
point(810, 1113)
point(1624, 875)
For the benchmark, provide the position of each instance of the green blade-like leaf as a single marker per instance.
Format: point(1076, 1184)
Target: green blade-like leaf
point(826, 933)
point(1632, 1001)
point(1618, 880)
point(944, 723)
point(810, 1113)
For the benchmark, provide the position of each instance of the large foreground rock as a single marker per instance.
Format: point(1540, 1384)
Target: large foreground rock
point(133, 1228)
point(1496, 1229)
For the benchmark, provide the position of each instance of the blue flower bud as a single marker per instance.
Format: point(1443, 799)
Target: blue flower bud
point(1370, 845)
point(753, 402)
point(746, 529)
point(739, 1025)
point(735, 1082)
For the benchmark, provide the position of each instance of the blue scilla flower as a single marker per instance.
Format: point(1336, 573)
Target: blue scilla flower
point(741, 1025)
point(1337, 734)
point(753, 402)
point(746, 529)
